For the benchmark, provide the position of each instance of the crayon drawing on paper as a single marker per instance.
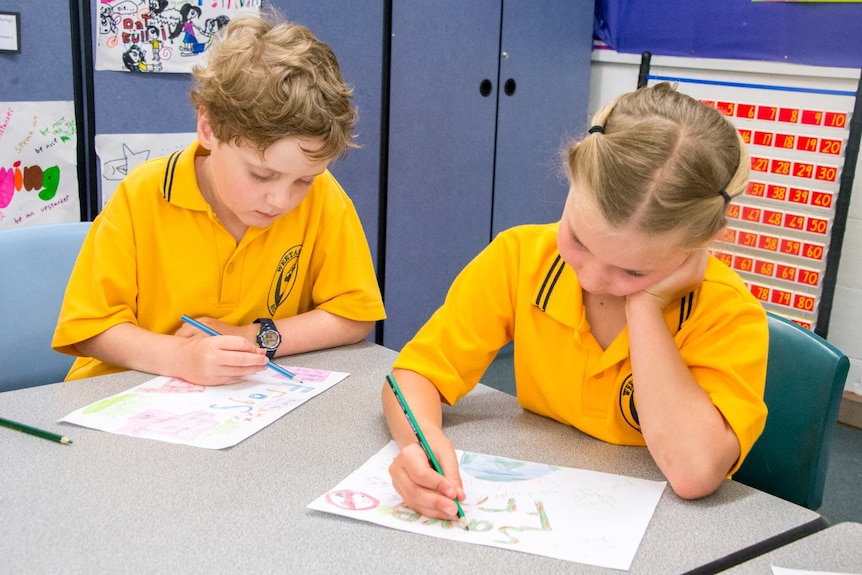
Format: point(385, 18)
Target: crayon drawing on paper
point(561, 512)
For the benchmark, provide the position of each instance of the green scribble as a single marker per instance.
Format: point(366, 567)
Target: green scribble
point(118, 405)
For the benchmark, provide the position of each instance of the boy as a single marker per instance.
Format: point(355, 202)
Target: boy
point(245, 229)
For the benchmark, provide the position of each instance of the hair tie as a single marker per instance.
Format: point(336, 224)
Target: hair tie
point(726, 197)
point(599, 129)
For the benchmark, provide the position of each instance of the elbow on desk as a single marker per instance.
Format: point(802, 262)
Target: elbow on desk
point(689, 485)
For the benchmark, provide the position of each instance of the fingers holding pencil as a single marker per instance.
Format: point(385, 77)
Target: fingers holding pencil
point(423, 489)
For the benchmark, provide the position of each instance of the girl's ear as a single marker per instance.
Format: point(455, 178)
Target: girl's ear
point(720, 235)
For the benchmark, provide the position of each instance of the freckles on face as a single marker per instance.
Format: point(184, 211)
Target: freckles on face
point(608, 260)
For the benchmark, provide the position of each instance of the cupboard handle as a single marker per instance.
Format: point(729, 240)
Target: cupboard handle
point(509, 87)
point(485, 87)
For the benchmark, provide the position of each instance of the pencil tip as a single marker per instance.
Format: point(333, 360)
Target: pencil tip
point(464, 524)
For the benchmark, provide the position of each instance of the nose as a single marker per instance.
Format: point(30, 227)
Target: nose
point(279, 199)
point(592, 276)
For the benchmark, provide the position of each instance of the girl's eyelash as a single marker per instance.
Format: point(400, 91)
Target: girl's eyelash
point(635, 274)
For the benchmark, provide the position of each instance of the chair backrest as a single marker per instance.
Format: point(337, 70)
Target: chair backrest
point(35, 264)
point(805, 378)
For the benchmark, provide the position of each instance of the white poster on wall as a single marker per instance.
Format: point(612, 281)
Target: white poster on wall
point(120, 153)
point(161, 35)
point(38, 164)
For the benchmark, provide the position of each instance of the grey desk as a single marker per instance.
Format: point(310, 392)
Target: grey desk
point(837, 549)
point(115, 504)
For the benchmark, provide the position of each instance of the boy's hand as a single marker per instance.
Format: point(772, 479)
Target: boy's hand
point(422, 488)
point(219, 359)
point(687, 277)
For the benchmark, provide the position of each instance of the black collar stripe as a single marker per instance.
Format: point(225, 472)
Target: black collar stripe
point(685, 306)
point(558, 266)
point(168, 183)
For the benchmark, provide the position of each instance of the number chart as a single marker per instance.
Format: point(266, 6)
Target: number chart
point(779, 231)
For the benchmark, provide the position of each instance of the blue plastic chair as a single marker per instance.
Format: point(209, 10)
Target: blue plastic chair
point(35, 264)
point(805, 378)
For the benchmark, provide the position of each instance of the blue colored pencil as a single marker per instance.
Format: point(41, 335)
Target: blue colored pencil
point(422, 441)
point(208, 330)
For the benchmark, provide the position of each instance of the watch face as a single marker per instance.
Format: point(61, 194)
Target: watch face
point(269, 339)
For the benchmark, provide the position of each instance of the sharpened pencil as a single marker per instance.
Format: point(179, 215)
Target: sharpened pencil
point(422, 441)
point(208, 330)
point(35, 431)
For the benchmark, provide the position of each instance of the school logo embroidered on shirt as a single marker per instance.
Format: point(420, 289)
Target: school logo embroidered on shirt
point(284, 279)
point(627, 403)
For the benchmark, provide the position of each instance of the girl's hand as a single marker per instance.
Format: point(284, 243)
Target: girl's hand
point(687, 277)
point(422, 488)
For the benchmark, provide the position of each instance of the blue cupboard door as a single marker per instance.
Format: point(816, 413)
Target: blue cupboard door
point(544, 91)
point(441, 152)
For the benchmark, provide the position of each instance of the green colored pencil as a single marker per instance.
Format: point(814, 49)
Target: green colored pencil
point(422, 441)
point(35, 431)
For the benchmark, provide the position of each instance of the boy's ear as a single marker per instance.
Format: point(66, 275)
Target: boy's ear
point(205, 131)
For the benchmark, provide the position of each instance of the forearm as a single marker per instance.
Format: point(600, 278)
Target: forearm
point(317, 329)
point(424, 401)
point(127, 345)
point(686, 434)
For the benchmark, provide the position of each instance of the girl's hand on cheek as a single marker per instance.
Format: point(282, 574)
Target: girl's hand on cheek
point(687, 277)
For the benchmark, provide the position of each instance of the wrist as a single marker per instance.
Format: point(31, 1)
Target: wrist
point(268, 336)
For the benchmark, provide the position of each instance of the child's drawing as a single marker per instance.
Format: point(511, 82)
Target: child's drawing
point(161, 35)
point(561, 512)
point(176, 411)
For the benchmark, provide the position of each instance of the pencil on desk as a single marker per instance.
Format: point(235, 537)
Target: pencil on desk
point(208, 330)
point(35, 431)
point(422, 441)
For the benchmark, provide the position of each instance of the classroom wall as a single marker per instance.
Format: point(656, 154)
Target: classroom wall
point(613, 73)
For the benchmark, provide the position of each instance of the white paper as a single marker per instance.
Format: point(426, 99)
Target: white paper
point(561, 512)
point(161, 35)
point(38, 159)
point(784, 571)
point(215, 417)
point(121, 153)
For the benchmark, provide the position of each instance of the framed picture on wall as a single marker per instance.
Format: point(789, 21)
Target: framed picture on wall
point(10, 32)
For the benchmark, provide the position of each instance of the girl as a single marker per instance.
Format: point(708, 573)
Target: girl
point(624, 326)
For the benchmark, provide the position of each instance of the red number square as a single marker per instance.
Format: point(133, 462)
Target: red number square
point(724, 258)
point(760, 292)
point(826, 173)
point(725, 108)
point(769, 113)
point(763, 138)
point(821, 199)
point(745, 110)
point(750, 214)
point(746, 135)
point(813, 251)
point(765, 242)
point(785, 272)
point(746, 238)
point(791, 247)
point(772, 218)
point(790, 115)
point(798, 196)
point(808, 277)
point(780, 167)
point(730, 235)
point(803, 170)
point(764, 268)
point(804, 302)
point(733, 211)
point(774, 192)
point(780, 297)
point(759, 164)
point(812, 117)
point(831, 147)
point(817, 226)
point(806, 144)
point(785, 141)
point(836, 120)
point(743, 263)
point(794, 221)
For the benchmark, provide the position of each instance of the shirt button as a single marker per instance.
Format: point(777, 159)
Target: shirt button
point(230, 268)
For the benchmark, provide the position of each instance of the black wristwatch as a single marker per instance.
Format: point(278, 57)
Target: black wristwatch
point(268, 337)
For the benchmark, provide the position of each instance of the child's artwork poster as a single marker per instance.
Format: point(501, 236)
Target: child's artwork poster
point(176, 411)
point(560, 512)
point(120, 153)
point(38, 164)
point(161, 35)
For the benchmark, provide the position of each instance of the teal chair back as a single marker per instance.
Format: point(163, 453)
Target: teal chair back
point(805, 378)
point(35, 264)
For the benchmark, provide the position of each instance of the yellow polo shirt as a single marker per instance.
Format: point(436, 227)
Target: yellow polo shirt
point(520, 289)
point(158, 251)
